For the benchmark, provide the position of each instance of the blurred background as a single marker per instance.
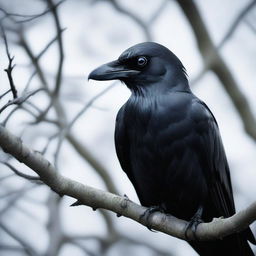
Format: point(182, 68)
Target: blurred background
point(71, 121)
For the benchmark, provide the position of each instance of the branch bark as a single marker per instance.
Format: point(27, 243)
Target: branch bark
point(96, 198)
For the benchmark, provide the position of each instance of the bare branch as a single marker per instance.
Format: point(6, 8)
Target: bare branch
point(96, 198)
point(54, 225)
point(10, 67)
point(81, 149)
point(6, 177)
point(236, 22)
point(157, 12)
point(23, 42)
point(19, 191)
point(20, 100)
point(227, 36)
point(15, 197)
point(5, 93)
point(158, 252)
point(214, 61)
point(49, 44)
point(6, 247)
point(199, 76)
point(67, 129)
point(135, 18)
point(81, 247)
point(27, 18)
point(60, 46)
point(248, 23)
point(27, 247)
point(11, 114)
point(90, 158)
point(23, 175)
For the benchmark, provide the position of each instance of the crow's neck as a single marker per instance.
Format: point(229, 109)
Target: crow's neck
point(165, 86)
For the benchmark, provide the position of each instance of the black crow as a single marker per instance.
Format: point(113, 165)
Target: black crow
point(168, 143)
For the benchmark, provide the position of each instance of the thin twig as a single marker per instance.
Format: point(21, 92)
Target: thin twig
point(82, 247)
point(54, 225)
point(10, 67)
point(23, 175)
point(130, 240)
point(20, 190)
point(135, 18)
point(49, 44)
point(236, 22)
point(10, 115)
point(249, 24)
point(6, 177)
point(16, 196)
point(5, 93)
point(29, 81)
point(66, 130)
point(42, 114)
point(28, 17)
point(7, 247)
point(27, 247)
point(60, 46)
point(157, 12)
point(23, 42)
point(20, 100)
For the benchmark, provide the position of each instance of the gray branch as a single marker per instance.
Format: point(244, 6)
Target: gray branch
point(214, 61)
point(236, 22)
point(96, 198)
point(135, 18)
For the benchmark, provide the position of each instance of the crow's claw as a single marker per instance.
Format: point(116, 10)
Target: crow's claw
point(193, 223)
point(146, 215)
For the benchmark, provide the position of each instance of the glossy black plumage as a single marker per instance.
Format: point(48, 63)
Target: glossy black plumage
point(168, 143)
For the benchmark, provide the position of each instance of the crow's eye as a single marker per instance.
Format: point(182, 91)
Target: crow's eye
point(142, 61)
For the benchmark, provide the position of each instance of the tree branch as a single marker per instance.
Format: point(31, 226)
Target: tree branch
point(236, 22)
point(135, 18)
point(58, 79)
point(86, 154)
point(20, 100)
point(21, 174)
point(28, 18)
point(29, 250)
point(10, 67)
point(215, 62)
point(5, 93)
point(62, 135)
point(96, 198)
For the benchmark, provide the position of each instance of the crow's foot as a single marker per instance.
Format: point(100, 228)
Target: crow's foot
point(194, 222)
point(147, 214)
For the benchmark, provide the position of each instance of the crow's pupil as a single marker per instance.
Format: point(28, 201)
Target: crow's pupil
point(142, 61)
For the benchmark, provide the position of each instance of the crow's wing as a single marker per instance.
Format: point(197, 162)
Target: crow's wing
point(122, 143)
point(220, 196)
point(123, 149)
point(217, 170)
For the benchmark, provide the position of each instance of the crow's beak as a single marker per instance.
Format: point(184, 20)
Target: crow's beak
point(112, 70)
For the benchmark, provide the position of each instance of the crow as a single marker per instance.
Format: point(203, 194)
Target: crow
point(168, 143)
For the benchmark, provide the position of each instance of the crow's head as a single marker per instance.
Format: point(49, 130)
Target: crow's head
point(143, 65)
